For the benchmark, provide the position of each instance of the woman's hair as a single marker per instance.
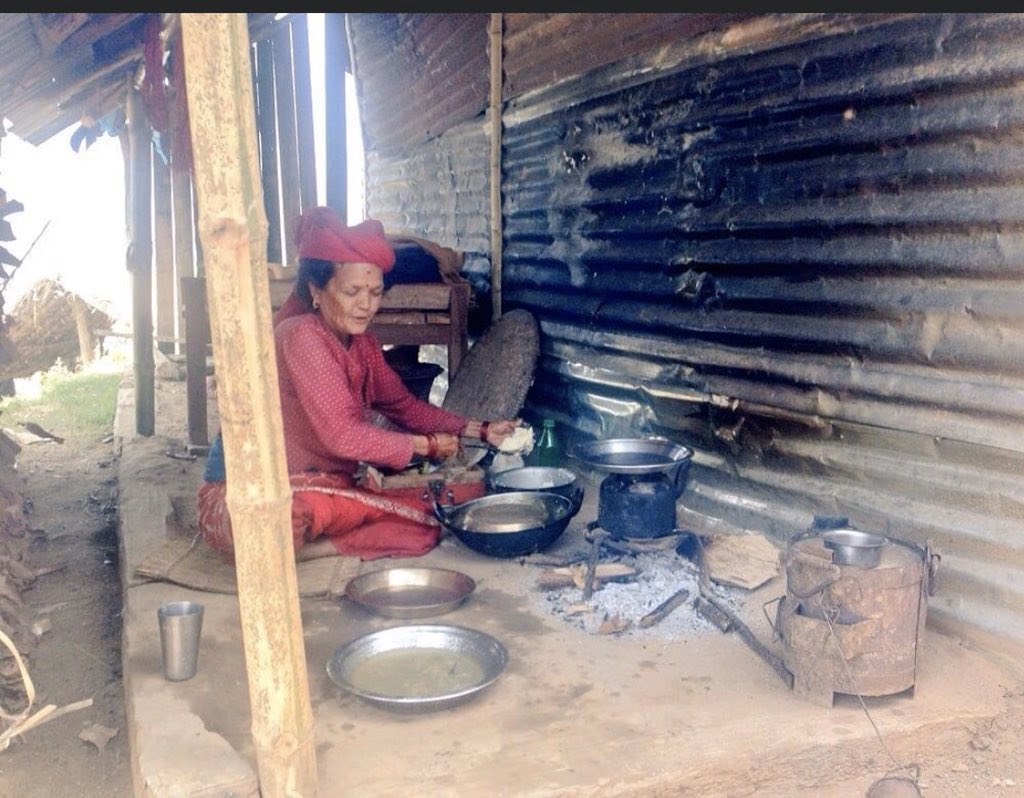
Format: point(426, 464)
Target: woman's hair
point(312, 271)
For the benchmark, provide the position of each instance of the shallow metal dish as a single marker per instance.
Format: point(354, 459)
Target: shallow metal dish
point(410, 592)
point(418, 668)
point(632, 455)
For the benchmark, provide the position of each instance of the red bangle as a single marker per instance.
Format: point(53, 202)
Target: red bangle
point(431, 446)
point(484, 426)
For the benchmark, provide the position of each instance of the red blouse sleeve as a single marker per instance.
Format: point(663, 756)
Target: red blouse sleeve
point(390, 397)
point(321, 397)
point(328, 392)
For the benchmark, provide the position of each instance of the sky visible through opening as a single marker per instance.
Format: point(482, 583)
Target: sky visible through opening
point(75, 202)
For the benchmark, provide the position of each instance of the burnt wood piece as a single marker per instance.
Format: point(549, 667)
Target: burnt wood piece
point(557, 578)
point(665, 609)
point(741, 628)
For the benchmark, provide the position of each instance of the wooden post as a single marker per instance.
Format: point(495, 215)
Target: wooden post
point(267, 121)
point(81, 311)
point(140, 264)
point(494, 36)
point(197, 339)
point(287, 143)
point(233, 228)
point(304, 109)
point(335, 67)
point(163, 251)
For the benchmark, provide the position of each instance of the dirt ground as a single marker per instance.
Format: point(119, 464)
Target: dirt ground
point(71, 497)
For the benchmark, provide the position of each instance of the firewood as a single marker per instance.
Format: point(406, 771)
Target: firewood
point(573, 575)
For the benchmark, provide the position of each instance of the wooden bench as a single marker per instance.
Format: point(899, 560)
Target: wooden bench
point(410, 314)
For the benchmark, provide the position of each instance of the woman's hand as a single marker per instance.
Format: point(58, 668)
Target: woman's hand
point(435, 445)
point(496, 431)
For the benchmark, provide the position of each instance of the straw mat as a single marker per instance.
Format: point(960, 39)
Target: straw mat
point(191, 563)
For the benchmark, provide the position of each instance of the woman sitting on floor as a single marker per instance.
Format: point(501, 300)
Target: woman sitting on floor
point(333, 379)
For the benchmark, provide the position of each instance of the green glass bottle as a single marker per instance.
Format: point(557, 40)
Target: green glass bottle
point(547, 451)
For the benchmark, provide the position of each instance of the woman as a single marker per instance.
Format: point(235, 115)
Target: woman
point(334, 381)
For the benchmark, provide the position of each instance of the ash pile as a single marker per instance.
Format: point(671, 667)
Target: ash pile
point(670, 589)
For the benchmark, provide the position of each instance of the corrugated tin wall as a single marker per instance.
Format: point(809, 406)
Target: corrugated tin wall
point(794, 245)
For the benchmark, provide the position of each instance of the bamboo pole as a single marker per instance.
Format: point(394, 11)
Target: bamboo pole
point(233, 228)
point(494, 38)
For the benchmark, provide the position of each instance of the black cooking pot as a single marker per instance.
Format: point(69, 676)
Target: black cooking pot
point(511, 524)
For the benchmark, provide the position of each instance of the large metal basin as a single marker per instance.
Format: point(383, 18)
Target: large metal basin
point(419, 667)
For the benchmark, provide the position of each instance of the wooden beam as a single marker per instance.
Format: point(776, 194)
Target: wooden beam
point(232, 229)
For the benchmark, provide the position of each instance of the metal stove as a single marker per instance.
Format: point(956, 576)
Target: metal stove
point(852, 626)
point(646, 476)
point(637, 500)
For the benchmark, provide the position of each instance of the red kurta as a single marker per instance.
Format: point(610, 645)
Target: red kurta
point(329, 394)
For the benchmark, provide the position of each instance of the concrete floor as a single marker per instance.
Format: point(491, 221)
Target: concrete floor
point(573, 714)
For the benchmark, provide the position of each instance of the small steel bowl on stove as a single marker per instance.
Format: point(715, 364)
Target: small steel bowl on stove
point(853, 547)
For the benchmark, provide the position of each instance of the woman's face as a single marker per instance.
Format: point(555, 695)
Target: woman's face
point(351, 297)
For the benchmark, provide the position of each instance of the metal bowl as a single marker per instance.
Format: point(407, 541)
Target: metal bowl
point(853, 547)
point(540, 478)
point(418, 668)
point(633, 455)
point(512, 524)
point(410, 592)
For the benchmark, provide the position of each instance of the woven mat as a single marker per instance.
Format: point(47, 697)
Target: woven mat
point(194, 564)
point(497, 371)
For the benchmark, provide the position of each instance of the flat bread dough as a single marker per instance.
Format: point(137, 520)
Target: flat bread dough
point(519, 442)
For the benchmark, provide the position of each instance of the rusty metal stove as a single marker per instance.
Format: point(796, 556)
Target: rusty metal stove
point(849, 628)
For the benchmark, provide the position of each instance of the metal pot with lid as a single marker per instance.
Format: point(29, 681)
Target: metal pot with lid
point(646, 476)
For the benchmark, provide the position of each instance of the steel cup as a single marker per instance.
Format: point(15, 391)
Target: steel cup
point(181, 623)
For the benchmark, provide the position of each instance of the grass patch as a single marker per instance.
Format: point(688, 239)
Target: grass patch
point(79, 404)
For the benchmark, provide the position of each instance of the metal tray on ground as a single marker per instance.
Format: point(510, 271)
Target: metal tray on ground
point(410, 592)
point(418, 667)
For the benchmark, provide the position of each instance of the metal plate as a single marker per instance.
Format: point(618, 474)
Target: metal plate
point(418, 668)
point(410, 592)
point(632, 455)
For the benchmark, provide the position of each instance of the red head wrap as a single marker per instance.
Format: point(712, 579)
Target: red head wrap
point(320, 234)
